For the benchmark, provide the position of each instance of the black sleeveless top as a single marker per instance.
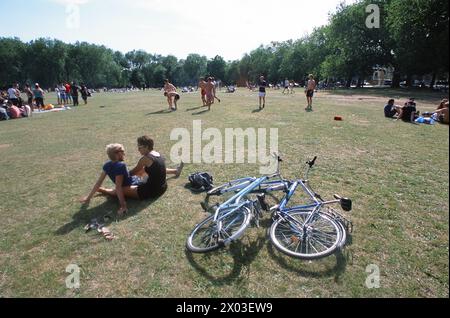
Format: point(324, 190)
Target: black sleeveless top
point(156, 173)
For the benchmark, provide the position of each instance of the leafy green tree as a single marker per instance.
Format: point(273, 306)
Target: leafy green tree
point(11, 61)
point(419, 30)
point(170, 63)
point(195, 67)
point(232, 74)
point(216, 67)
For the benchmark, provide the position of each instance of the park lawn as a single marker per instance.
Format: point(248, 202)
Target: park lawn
point(396, 173)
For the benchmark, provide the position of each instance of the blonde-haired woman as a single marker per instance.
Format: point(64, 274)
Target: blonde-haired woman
point(117, 171)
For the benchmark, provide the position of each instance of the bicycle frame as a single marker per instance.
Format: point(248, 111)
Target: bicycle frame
point(235, 201)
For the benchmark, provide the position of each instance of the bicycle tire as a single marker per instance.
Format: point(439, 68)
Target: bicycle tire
point(234, 225)
point(285, 233)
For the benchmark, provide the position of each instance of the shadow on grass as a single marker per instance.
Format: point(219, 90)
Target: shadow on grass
point(257, 110)
point(242, 254)
point(301, 267)
point(105, 213)
point(194, 108)
point(160, 112)
point(201, 112)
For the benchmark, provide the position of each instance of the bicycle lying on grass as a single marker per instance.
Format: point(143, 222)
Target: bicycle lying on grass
point(310, 231)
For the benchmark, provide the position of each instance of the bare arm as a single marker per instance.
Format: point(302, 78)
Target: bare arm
point(97, 186)
point(144, 162)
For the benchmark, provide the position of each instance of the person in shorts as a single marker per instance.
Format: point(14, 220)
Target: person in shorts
point(262, 92)
point(310, 87)
point(202, 86)
point(38, 94)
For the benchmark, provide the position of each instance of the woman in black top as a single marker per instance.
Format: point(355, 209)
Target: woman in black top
point(262, 92)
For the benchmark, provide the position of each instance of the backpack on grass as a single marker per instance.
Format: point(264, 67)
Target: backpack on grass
point(201, 181)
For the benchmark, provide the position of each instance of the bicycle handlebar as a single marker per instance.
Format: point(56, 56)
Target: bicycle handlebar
point(311, 163)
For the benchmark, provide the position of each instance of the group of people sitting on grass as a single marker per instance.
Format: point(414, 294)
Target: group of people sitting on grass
point(409, 113)
point(10, 111)
point(147, 180)
point(35, 95)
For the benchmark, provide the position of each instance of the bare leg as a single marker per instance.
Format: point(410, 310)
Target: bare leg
point(110, 192)
point(131, 192)
point(177, 171)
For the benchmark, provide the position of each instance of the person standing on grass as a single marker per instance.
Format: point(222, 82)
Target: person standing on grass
point(62, 92)
point(74, 89)
point(286, 86)
point(29, 94)
point(68, 92)
point(210, 88)
point(202, 86)
point(215, 90)
point(262, 92)
point(170, 91)
point(12, 95)
point(38, 94)
point(84, 93)
point(310, 87)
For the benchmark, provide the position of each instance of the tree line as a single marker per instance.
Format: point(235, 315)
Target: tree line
point(412, 38)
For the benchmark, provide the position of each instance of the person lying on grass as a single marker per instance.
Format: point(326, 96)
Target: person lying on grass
point(146, 181)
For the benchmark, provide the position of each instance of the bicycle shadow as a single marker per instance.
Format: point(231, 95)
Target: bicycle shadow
point(105, 213)
point(243, 256)
point(298, 266)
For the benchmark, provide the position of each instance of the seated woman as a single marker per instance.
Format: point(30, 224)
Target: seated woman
point(117, 171)
point(442, 114)
point(443, 104)
point(152, 171)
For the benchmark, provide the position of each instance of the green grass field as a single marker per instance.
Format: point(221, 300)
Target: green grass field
point(396, 173)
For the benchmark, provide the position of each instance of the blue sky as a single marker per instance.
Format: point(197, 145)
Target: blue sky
point(227, 28)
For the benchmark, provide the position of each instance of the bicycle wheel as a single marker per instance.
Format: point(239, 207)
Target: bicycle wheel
point(209, 236)
point(317, 239)
point(234, 185)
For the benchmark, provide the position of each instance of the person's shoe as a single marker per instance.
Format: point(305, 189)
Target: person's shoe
point(179, 170)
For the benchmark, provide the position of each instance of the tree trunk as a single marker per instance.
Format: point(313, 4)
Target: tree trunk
point(360, 83)
point(396, 80)
point(409, 81)
point(348, 83)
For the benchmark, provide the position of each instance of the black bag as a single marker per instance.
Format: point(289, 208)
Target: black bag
point(201, 181)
